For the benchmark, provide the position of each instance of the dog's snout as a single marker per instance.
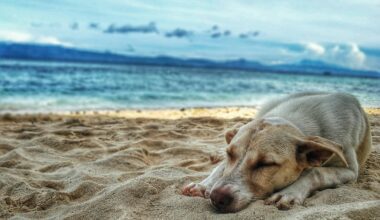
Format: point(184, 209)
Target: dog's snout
point(222, 197)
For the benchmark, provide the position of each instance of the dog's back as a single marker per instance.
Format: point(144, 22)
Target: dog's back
point(335, 116)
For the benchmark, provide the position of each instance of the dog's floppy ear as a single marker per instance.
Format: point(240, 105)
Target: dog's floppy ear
point(232, 132)
point(316, 150)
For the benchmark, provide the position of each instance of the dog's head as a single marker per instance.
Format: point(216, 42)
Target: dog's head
point(264, 156)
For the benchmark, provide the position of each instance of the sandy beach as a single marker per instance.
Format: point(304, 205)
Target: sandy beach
point(132, 164)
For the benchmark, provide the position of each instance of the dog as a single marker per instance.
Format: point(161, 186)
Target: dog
point(296, 145)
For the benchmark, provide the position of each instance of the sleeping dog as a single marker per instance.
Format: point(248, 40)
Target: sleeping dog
point(296, 145)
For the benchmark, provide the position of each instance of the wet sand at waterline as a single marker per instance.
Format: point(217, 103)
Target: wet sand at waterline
point(132, 165)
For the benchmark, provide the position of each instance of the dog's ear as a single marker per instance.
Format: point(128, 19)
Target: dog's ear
point(232, 132)
point(314, 150)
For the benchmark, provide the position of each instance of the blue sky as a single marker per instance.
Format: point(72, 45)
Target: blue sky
point(343, 32)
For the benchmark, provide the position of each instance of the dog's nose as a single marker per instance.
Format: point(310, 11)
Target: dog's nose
point(221, 197)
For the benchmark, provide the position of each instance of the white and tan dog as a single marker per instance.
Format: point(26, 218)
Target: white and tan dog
point(296, 145)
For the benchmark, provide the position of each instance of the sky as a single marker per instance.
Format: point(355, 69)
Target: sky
point(341, 32)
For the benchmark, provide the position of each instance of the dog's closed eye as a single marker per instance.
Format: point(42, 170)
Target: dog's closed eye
point(263, 164)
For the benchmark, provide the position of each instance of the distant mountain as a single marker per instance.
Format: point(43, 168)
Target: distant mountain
point(319, 67)
point(25, 51)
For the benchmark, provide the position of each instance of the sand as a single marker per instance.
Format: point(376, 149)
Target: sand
point(132, 165)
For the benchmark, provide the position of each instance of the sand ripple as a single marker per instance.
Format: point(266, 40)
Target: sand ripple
point(100, 167)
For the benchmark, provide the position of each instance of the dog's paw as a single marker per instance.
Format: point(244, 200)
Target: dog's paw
point(194, 189)
point(285, 200)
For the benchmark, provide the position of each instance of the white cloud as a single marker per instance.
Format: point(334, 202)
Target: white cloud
point(315, 49)
point(52, 40)
point(348, 55)
point(15, 36)
point(23, 37)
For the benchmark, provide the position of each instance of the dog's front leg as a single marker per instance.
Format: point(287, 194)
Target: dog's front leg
point(317, 178)
point(314, 179)
point(203, 188)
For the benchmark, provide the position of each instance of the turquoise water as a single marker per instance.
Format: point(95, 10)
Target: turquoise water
point(46, 87)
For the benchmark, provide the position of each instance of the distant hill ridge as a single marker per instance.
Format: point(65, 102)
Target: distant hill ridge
point(24, 51)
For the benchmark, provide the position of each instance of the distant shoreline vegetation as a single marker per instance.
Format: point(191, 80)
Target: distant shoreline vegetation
point(52, 53)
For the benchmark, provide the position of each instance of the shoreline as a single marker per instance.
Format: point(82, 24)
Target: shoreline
point(165, 113)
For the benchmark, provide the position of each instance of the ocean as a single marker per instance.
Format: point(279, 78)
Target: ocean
point(59, 87)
